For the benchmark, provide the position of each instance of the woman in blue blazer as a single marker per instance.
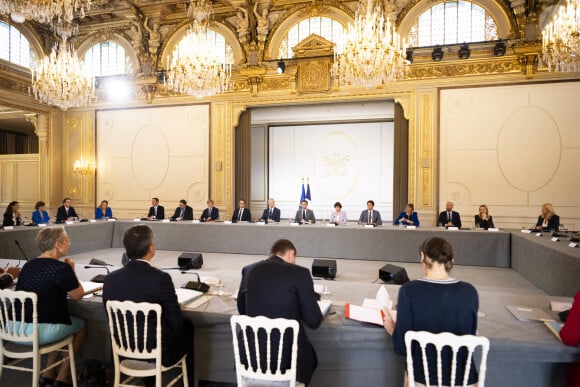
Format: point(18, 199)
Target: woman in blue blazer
point(408, 217)
point(103, 211)
point(39, 216)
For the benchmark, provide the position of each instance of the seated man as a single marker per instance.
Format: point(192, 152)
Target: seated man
point(272, 213)
point(370, 215)
point(183, 212)
point(139, 281)
point(449, 218)
point(66, 212)
point(211, 213)
point(242, 214)
point(304, 214)
point(156, 211)
point(277, 287)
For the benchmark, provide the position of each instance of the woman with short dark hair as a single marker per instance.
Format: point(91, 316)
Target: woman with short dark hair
point(39, 216)
point(53, 280)
point(435, 303)
point(338, 217)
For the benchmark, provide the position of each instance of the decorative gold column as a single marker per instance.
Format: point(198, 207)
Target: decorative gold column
point(40, 122)
point(79, 143)
point(222, 157)
point(426, 159)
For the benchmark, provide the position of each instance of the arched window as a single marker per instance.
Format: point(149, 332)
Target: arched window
point(14, 47)
point(106, 58)
point(452, 22)
point(221, 48)
point(328, 28)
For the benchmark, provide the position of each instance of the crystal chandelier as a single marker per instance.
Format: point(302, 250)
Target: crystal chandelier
point(43, 11)
point(197, 67)
point(561, 37)
point(59, 79)
point(200, 11)
point(370, 53)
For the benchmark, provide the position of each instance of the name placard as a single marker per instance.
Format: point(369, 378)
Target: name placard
point(411, 227)
point(227, 222)
point(453, 228)
point(261, 223)
point(92, 221)
point(294, 224)
point(69, 222)
point(136, 219)
point(41, 224)
point(331, 225)
point(111, 220)
point(526, 231)
point(572, 244)
point(369, 226)
point(493, 229)
point(195, 221)
point(8, 227)
point(554, 239)
point(538, 234)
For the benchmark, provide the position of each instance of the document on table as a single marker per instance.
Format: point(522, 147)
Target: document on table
point(560, 306)
point(524, 313)
point(371, 309)
point(324, 307)
point(185, 296)
point(90, 287)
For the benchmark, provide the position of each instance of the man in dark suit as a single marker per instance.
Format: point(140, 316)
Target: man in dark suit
point(156, 211)
point(278, 288)
point(272, 213)
point(210, 213)
point(449, 218)
point(242, 214)
point(304, 214)
point(66, 212)
point(139, 281)
point(183, 212)
point(370, 215)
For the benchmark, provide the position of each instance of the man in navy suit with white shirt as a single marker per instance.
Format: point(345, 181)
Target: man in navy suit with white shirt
point(210, 213)
point(156, 211)
point(272, 213)
point(449, 218)
point(242, 214)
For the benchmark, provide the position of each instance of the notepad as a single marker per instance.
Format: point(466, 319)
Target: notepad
point(524, 313)
point(185, 296)
point(91, 287)
point(324, 306)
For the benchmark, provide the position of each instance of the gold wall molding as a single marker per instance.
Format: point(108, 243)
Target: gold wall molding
point(427, 145)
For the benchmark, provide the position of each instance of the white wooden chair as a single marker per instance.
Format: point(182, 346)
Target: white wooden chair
point(439, 341)
point(126, 343)
point(19, 343)
point(248, 328)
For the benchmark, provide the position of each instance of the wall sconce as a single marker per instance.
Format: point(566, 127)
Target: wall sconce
point(499, 49)
point(409, 55)
point(437, 54)
point(464, 52)
point(281, 67)
point(83, 168)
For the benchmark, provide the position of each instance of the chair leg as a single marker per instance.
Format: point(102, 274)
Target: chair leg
point(35, 368)
point(1, 358)
point(184, 371)
point(73, 366)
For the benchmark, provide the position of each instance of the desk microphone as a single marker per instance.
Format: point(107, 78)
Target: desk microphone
point(21, 250)
point(99, 262)
point(100, 278)
point(199, 286)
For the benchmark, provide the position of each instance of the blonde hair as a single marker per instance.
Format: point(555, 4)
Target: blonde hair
point(550, 208)
point(486, 209)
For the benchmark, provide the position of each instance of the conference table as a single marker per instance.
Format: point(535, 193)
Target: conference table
point(386, 243)
point(350, 353)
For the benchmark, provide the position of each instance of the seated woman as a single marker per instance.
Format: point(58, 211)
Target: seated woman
point(408, 217)
point(548, 221)
point(12, 215)
point(483, 219)
point(53, 280)
point(338, 217)
point(435, 303)
point(103, 211)
point(570, 335)
point(39, 216)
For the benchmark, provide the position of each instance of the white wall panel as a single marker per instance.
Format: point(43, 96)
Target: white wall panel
point(149, 152)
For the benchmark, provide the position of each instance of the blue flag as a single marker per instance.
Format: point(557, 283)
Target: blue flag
point(303, 196)
point(308, 192)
